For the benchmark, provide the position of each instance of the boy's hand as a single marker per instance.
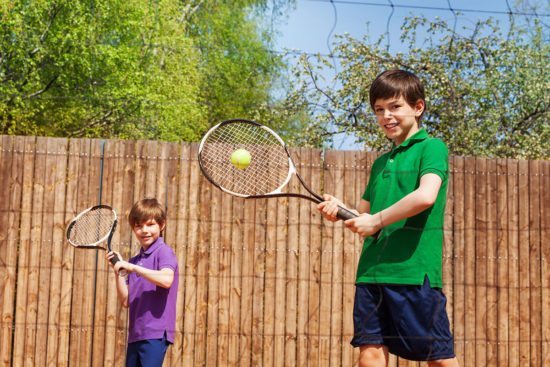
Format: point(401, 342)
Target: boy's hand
point(329, 207)
point(365, 224)
point(120, 264)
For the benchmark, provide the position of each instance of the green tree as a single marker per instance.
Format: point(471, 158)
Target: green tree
point(131, 69)
point(487, 93)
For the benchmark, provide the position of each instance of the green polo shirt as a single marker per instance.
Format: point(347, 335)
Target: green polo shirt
point(408, 250)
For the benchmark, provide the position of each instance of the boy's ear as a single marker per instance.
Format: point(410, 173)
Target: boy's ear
point(419, 108)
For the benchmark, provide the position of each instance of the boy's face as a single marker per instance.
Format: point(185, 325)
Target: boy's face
point(147, 232)
point(397, 118)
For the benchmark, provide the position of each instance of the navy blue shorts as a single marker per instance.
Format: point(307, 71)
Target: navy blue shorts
point(147, 353)
point(411, 321)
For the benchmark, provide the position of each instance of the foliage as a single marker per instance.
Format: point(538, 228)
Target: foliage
point(131, 69)
point(487, 94)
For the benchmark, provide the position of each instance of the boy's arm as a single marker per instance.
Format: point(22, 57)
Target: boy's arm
point(121, 286)
point(416, 202)
point(122, 290)
point(163, 277)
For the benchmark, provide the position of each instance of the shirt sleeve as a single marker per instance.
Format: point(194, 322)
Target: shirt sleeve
point(167, 258)
point(435, 159)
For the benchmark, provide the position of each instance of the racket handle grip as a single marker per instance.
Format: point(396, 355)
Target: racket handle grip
point(121, 272)
point(345, 214)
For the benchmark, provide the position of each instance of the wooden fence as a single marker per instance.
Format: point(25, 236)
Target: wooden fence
point(262, 282)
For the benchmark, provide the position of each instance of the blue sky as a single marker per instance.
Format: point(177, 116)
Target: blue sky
point(311, 26)
point(310, 23)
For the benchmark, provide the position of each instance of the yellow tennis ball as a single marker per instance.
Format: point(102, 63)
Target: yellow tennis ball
point(241, 158)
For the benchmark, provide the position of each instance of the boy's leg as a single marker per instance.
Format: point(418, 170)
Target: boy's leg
point(369, 322)
point(451, 362)
point(420, 323)
point(373, 356)
point(132, 355)
point(147, 353)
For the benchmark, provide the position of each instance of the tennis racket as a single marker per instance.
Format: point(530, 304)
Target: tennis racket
point(270, 168)
point(93, 227)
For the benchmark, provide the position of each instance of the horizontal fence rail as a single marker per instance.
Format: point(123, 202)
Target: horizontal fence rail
point(262, 282)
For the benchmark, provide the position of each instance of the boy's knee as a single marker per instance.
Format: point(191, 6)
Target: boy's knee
point(373, 356)
point(451, 362)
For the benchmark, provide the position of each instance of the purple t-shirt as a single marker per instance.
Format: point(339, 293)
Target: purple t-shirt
point(152, 308)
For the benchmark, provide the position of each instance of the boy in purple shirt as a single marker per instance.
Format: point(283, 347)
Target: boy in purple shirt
point(150, 291)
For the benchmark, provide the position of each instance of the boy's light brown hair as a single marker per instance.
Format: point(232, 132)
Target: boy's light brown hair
point(146, 209)
point(397, 83)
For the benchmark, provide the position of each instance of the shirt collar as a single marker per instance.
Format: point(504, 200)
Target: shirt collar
point(417, 136)
point(155, 245)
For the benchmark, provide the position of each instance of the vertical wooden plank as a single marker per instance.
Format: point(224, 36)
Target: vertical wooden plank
point(328, 257)
point(303, 265)
point(191, 263)
point(480, 261)
point(119, 162)
point(214, 268)
point(204, 256)
point(225, 280)
point(503, 260)
point(36, 241)
point(470, 261)
point(513, 262)
point(154, 172)
point(22, 329)
point(126, 245)
point(492, 264)
point(283, 247)
point(11, 173)
point(535, 257)
point(181, 224)
point(352, 244)
point(524, 312)
point(82, 314)
point(76, 156)
point(247, 284)
point(334, 235)
point(291, 319)
point(459, 296)
point(170, 154)
point(53, 233)
point(102, 269)
point(270, 301)
point(236, 280)
point(316, 254)
point(258, 286)
point(545, 268)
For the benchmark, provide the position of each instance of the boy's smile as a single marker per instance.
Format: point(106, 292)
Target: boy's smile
point(397, 118)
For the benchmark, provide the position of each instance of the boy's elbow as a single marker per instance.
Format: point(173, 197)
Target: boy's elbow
point(426, 201)
point(167, 280)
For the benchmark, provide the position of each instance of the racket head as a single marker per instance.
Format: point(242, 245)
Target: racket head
point(270, 168)
point(92, 227)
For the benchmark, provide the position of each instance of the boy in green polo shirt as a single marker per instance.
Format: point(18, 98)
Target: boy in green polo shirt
point(399, 305)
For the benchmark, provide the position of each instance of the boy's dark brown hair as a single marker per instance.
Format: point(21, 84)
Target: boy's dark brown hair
point(397, 83)
point(146, 209)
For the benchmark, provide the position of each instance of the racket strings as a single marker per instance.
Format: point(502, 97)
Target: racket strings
point(92, 227)
point(269, 166)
